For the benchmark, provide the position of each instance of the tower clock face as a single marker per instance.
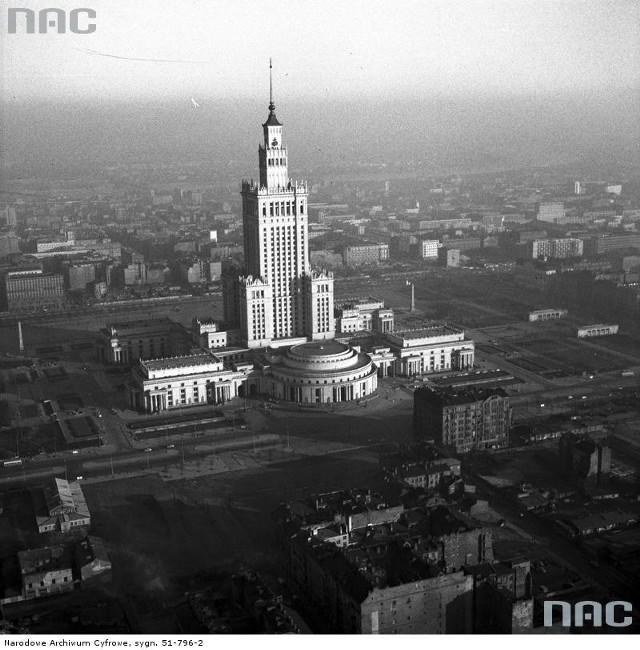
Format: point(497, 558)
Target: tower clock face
point(274, 143)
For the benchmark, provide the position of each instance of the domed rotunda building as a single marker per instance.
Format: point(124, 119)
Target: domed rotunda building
point(317, 372)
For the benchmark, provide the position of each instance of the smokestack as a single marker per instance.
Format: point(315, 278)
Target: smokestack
point(20, 338)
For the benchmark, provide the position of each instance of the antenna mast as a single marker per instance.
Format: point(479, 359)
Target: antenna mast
point(271, 104)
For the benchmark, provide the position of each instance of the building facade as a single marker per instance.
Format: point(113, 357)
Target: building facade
point(557, 248)
point(546, 314)
point(164, 384)
point(365, 254)
point(597, 330)
point(429, 249)
point(551, 211)
point(45, 571)
point(32, 290)
point(427, 350)
point(462, 419)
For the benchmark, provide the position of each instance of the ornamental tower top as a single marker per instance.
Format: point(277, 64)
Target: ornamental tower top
point(272, 154)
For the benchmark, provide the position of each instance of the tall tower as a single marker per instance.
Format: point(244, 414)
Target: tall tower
point(278, 298)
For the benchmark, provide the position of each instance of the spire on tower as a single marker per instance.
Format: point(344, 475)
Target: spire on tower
point(272, 120)
point(272, 106)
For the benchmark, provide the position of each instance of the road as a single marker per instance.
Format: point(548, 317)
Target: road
point(90, 463)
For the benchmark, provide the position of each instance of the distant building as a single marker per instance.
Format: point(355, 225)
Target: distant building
point(463, 244)
point(192, 271)
point(462, 419)
point(551, 211)
point(32, 290)
point(546, 314)
point(597, 330)
point(449, 257)
point(603, 243)
point(429, 249)
point(366, 254)
point(9, 244)
point(362, 315)
point(79, 276)
point(613, 188)
point(127, 341)
point(586, 457)
point(557, 248)
point(10, 216)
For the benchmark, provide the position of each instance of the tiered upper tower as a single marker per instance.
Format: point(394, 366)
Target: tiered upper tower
point(272, 154)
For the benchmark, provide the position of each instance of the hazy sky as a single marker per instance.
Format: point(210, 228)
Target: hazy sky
point(325, 49)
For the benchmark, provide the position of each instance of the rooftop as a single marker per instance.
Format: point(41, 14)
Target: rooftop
point(319, 349)
point(426, 332)
point(450, 396)
point(180, 362)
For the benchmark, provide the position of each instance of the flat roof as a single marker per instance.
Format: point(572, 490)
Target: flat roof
point(425, 332)
point(180, 362)
point(319, 349)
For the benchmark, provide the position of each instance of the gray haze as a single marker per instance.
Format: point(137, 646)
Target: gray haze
point(453, 132)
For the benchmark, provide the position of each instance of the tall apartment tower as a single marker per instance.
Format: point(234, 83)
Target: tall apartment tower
point(279, 297)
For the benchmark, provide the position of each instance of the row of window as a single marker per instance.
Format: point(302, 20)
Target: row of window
point(282, 208)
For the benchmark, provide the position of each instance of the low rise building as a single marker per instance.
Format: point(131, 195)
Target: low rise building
point(430, 349)
point(45, 571)
point(91, 559)
point(362, 315)
point(546, 314)
point(60, 506)
point(597, 330)
point(174, 382)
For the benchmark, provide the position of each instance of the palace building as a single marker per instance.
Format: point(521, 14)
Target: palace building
point(278, 334)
